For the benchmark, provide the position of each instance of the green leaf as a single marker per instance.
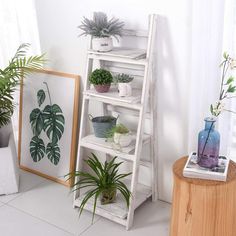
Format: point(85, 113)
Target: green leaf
point(53, 122)
point(37, 149)
point(225, 55)
point(230, 80)
point(36, 121)
point(53, 153)
point(211, 109)
point(231, 89)
point(41, 97)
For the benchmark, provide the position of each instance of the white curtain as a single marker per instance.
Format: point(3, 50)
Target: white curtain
point(209, 33)
point(18, 24)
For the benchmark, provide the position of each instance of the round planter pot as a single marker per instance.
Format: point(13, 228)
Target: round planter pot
point(102, 44)
point(102, 124)
point(108, 196)
point(102, 88)
point(123, 140)
point(125, 89)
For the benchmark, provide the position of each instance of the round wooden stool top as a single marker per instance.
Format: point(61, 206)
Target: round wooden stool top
point(178, 172)
point(203, 207)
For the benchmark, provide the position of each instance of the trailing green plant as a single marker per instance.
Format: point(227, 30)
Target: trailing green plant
point(123, 78)
point(120, 128)
point(18, 67)
point(101, 27)
point(100, 76)
point(105, 178)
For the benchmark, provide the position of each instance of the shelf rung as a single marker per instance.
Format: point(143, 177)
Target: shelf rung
point(136, 106)
point(142, 62)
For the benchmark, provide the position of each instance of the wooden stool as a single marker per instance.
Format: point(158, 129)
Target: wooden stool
point(203, 207)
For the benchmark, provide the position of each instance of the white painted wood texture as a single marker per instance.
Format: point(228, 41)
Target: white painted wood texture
point(119, 208)
point(122, 60)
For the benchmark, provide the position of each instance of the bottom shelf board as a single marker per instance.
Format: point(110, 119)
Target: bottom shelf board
point(119, 208)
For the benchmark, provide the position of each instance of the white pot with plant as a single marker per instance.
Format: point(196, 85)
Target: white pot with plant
point(10, 77)
point(121, 135)
point(124, 84)
point(102, 30)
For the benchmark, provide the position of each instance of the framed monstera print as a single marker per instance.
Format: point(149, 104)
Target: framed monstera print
point(48, 126)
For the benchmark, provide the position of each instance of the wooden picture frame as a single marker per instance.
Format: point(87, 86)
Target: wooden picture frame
point(30, 157)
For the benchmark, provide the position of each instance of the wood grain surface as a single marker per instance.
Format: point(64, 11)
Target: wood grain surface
point(203, 207)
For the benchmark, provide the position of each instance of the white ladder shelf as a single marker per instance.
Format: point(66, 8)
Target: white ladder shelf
point(137, 104)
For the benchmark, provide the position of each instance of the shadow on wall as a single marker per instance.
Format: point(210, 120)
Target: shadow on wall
point(170, 126)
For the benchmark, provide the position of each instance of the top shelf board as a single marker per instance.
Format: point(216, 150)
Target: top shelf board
point(118, 54)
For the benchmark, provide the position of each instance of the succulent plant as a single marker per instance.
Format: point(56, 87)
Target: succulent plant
point(101, 27)
point(100, 76)
point(120, 128)
point(123, 78)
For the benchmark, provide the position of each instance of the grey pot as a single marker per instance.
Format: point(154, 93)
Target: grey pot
point(102, 124)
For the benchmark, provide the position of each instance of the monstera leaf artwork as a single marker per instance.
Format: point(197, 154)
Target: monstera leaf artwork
point(52, 122)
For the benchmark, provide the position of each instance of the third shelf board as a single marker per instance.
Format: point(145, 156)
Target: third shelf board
point(102, 145)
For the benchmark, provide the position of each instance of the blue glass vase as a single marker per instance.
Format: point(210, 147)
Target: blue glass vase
point(208, 144)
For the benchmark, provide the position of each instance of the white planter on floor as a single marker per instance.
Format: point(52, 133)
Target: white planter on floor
point(9, 170)
point(102, 44)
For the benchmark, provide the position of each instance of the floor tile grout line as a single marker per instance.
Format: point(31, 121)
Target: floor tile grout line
point(90, 226)
point(56, 226)
point(19, 194)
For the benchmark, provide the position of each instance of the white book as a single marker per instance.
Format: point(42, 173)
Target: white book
point(193, 170)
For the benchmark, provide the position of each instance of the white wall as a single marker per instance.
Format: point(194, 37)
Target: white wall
point(58, 21)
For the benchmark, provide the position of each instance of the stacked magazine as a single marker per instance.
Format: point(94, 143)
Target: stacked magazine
point(193, 170)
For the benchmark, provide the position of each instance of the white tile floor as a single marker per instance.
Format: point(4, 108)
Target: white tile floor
point(44, 208)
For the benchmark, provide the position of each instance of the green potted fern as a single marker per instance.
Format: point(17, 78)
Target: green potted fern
point(10, 77)
point(101, 80)
point(124, 84)
point(102, 30)
point(104, 182)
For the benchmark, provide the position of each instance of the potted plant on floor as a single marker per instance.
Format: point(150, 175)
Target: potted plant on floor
point(102, 124)
point(124, 84)
point(10, 77)
point(101, 80)
point(104, 182)
point(102, 30)
point(121, 135)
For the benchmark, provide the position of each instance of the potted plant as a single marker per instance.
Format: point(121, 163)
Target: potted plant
point(10, 77)
point(124, 84)
point(102, 124)
point(101, 29)
point(104, 182)
point(121, 135)
point(101, 80)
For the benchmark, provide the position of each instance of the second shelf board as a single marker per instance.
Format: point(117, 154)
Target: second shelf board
point(114, 95)
point(118, 209)
point(101, 144)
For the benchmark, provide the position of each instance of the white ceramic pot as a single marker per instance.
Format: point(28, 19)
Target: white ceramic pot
point(123, 140)
point(102, 44)
point(125, 89)
point(9, 170)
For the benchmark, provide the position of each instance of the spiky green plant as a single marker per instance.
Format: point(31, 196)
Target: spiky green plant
point(101, 27)
point(123, 78)
point(17, 68)
point(105, 177)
